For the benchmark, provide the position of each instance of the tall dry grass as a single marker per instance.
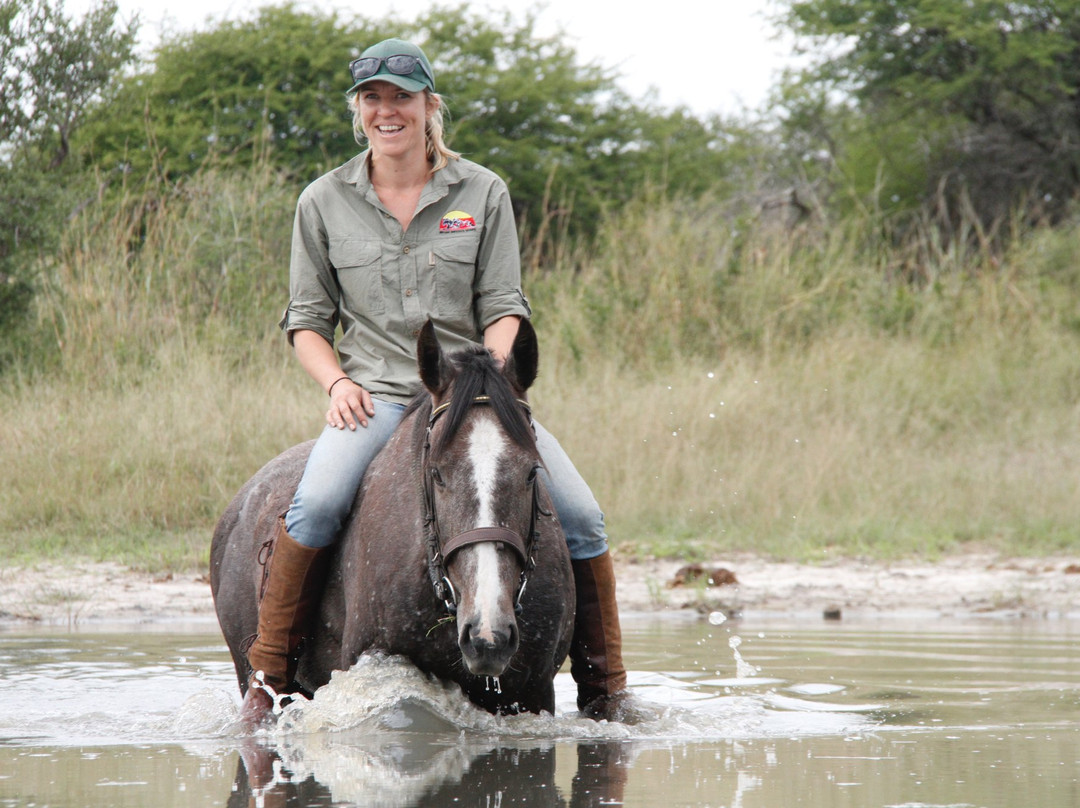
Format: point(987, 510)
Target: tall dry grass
point(855, 445)
point(723, 385)
point(728, 386)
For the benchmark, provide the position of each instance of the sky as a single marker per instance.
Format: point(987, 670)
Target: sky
point(718, 56)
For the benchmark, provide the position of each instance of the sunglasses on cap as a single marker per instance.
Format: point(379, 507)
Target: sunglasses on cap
point(401, 65)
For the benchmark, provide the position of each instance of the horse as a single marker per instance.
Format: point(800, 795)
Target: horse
point(452, 528)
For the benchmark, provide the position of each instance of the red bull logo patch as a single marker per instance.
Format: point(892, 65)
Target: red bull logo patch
point(456, 220)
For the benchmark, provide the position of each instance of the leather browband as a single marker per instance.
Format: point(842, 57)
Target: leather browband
point(482, 534)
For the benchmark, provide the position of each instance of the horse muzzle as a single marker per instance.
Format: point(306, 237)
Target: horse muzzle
point(489, 583)
point(487, 650)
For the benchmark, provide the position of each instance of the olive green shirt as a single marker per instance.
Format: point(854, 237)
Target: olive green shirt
point(353, 266)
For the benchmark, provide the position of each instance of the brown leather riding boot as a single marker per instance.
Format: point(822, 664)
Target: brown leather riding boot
point(292, 593)
point(596, 650)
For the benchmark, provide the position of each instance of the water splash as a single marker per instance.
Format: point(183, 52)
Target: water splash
point(127, 702)
point(743, 669)
point(381, 694)
point(207, 713)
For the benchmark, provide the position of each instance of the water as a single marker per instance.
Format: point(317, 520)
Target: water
point(747, 713)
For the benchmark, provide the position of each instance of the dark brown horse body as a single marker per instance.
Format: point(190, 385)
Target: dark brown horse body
point(459, 472)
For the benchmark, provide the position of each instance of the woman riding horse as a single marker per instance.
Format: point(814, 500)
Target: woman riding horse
point(406, 231)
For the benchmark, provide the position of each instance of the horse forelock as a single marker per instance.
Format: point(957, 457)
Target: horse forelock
point(477, 375)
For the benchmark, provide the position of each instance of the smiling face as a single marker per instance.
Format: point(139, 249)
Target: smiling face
point(394, 120)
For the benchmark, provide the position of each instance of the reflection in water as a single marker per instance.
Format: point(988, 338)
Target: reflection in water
point(394, 775)
point(385, 735)
point(262, 781)
point(979, 713)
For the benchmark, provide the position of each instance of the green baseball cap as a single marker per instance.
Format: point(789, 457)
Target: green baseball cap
point(396, 61)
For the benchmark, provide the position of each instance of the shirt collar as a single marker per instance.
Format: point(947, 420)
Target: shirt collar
point(357, 172)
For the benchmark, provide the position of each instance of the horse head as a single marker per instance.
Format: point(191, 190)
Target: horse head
point(480, 473)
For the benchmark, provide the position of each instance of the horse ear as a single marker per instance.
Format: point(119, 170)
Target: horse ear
point(524, 359)
point(429, 358)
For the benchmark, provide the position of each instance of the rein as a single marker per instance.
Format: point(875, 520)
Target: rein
point(439, 552)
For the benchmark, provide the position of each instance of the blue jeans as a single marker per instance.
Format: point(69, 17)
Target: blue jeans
point(341, 456)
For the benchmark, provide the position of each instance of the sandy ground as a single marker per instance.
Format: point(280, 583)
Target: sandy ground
point(84, 595)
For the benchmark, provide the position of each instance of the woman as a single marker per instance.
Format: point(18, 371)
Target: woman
point(405, 231)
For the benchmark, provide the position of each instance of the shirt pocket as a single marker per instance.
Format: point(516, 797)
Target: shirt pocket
point(359, 272)
point(455, 272)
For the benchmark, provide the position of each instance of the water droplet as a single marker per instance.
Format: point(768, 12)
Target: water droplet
point(743, 669)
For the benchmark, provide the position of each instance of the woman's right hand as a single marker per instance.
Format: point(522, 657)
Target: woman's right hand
point(350, 404)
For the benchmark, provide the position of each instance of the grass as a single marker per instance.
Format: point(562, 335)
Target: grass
point(723, 387)
point(851, 447)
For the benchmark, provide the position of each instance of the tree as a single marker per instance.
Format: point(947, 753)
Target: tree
point(53, 70)
point(560, 132)
point(272, 83)
point(986, 93)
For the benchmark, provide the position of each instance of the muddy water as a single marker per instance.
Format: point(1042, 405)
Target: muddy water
point(747, 713)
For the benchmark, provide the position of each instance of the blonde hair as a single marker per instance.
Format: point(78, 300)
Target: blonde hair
point(438, 153)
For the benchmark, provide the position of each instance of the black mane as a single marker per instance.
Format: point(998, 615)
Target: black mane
point(475, 374)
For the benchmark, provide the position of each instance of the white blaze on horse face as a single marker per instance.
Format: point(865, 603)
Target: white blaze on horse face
point(487, 445)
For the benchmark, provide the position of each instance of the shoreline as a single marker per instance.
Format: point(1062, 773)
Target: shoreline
point(84, 595)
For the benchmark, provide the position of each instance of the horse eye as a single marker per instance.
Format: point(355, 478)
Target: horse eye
point(533, 472)
point(437, 477)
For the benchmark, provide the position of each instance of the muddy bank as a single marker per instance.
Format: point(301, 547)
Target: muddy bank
point(963, 586)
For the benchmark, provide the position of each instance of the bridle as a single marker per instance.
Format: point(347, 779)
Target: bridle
point(439, 552)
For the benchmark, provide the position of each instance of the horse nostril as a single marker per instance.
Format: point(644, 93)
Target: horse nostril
point(505, 639)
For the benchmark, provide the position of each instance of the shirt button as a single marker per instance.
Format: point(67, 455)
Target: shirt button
point(408, 293)
point(406, 249)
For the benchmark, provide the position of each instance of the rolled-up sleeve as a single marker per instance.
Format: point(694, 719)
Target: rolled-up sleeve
point(313, 290)
point(497, 289)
